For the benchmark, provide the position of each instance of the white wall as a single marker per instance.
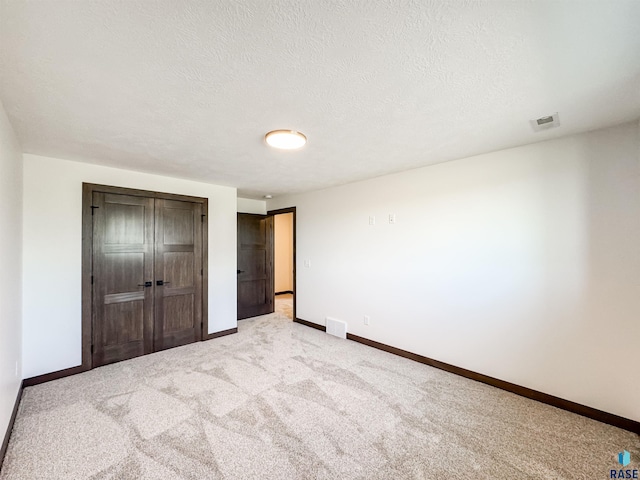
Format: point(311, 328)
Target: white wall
point(522, 264)
point(52, 254)
point(283, 252)
point(248, 205)
point(10, 269)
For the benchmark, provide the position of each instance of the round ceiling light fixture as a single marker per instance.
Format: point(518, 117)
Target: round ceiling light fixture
point(285, 139)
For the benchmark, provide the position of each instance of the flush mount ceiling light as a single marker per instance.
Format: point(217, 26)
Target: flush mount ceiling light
point(285, 139)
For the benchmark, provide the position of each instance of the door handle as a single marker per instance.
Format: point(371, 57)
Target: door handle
point(145, 284)
point(240, 271)
point(161, 282)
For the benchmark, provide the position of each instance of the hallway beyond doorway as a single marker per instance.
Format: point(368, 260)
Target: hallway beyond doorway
point(284, 305)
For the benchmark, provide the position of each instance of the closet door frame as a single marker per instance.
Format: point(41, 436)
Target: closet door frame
point(87, 260)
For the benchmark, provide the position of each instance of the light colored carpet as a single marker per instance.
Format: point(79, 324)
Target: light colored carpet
point(280, 400)
point(284, 305)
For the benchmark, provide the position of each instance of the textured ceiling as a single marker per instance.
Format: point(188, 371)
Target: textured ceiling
point(189, 88)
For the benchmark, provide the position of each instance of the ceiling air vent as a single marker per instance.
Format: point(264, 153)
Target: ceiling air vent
point(545, 123)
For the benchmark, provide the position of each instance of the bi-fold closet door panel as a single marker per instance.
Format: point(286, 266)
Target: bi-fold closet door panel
point(178, 266)
point(147, 275)
point(123, 244)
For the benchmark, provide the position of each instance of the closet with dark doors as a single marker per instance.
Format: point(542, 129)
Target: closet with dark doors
point(147, 270)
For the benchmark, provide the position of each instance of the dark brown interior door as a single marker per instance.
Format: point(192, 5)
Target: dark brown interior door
point(255, 265)
point(146, 275)
point(122, 263)
point(178, 260)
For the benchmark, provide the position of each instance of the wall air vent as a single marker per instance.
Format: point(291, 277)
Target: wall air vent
point(336, 327)
point(545, 123)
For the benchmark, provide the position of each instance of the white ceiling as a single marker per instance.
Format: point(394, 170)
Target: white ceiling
point(189, 88)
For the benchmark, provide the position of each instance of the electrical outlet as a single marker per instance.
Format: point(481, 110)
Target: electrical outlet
point(307, 263)
point(372, 220)
point(392, 218)
point(366, 319)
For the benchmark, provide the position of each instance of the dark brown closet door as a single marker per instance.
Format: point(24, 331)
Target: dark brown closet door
point(178, 262)
point(122, 263)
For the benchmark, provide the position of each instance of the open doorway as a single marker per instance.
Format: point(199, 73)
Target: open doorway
point(284, 261)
